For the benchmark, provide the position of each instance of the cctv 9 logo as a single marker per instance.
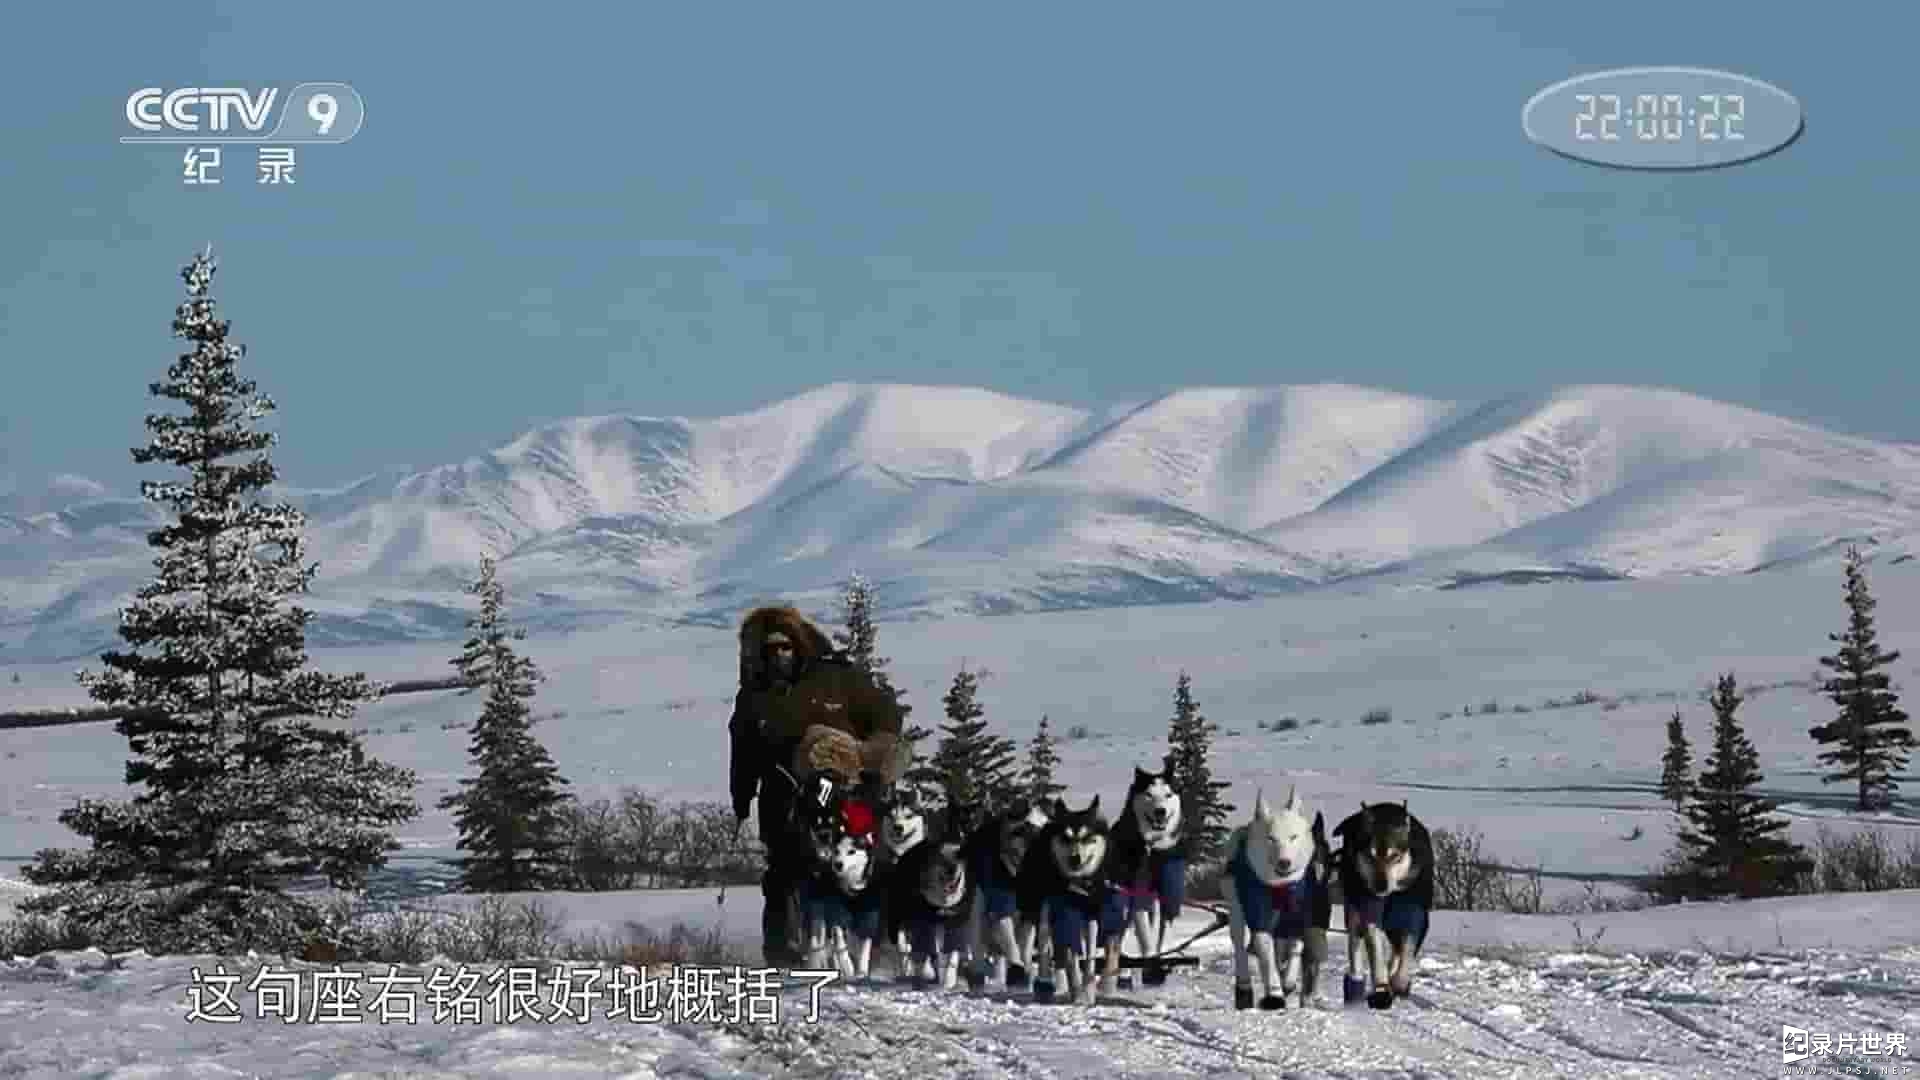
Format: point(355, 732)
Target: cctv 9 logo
point(319, 112)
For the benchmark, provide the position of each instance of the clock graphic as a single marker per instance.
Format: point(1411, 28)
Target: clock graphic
point(1669, 118)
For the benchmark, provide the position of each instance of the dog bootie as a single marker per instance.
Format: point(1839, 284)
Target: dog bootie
point(1243, 997)
point(1154, 974)
point(1354, 989)
point(1126, 982)
point(1272, 1002)
point(976, 975)
point(1381, 998)
point(1043, 991)
point(1016, 976)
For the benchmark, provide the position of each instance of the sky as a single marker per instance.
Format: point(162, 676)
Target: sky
point(699, 209)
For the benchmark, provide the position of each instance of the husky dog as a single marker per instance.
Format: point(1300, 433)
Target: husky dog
point(1280, 867)
point(1147, 861)
point(1386, 877)
point(841, 907)
point(938, 912)
point(995, 853)
point(904, 828)
point(1064, 883)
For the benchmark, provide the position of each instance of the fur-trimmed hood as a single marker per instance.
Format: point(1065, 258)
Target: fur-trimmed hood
point(810, 643)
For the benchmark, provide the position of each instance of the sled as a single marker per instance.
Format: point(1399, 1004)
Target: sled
point(1176, 956)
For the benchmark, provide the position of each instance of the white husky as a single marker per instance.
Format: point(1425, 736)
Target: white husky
point(1277, 893)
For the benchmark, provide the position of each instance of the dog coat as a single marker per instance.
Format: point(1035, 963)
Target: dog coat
point(1162, 877)
point(828, 906)
point(993, 882)
point(1395, 913)
point(1284, 910)
point(1069, 912)
point(956, 924)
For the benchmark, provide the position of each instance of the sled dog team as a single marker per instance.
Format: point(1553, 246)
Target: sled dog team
point(1040, 890)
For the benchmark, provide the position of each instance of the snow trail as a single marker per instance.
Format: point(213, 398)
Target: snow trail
point(1474, 1013)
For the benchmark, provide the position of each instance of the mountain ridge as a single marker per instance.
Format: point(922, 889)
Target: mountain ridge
point(967, 500)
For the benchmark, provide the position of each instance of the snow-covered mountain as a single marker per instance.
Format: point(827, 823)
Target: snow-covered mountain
point(958, 499)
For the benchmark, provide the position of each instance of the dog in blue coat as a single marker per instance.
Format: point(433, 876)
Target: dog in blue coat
point(1064, 886)
point(1386, 878)
point(994, 854)
point(936, 911)
point(906, 826)
point(841, 910)
point(1279, 905)
point(1147, 856)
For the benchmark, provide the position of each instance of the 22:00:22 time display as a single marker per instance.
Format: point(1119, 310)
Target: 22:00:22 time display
point(1663, 117)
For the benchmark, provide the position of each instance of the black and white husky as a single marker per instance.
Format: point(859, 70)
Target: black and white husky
point(904, 827)
point(1386, 877)
point(1064, 888)
point(995, 853)
point(840, 907)
point(1147, 859)
point(938, 913)
point(1279, 868)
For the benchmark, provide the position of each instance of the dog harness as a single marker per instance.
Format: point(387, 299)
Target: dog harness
point(1283, 910)
point(1162, 879)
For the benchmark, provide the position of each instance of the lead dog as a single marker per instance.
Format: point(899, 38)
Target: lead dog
point(937, 913)
point(1386, 877)
point(1280, 867)
point(905, 827)
point(840, 906)
point(1147, 858)
point(1064, 886)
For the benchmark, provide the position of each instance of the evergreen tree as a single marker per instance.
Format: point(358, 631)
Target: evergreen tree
point(1676, 765)
point(511, 813)
point(1036, 778)
point(861, 641)
point(1733, 842)
point(1869, 740)
point(239, 793)
point(974, 770)
point(1204, 809)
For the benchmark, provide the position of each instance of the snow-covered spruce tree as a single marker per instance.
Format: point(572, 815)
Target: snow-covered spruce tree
point(511, 813)
point(1869, 741)
point(1734, 843)
point(239, 793)
point(1189, 761)
point(861, 643)
point(1043, 760)
point(972, 768)
point(1676, 765)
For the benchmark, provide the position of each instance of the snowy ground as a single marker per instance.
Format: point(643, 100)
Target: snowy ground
point(1568, 788)
point(1664, 1007)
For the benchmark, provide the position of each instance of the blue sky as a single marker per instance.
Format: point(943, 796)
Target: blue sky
point(696, 209)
